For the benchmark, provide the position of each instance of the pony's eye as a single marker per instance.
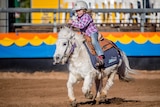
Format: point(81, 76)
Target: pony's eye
point(64, 44)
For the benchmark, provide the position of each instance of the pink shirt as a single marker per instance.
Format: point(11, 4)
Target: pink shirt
point(85, 24)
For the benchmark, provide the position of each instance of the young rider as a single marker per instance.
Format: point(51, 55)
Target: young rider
point(85, 23)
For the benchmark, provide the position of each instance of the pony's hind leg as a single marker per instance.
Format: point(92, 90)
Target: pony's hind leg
point(87, 84)
point(98, 86)
point(108, 84)
point(71, 81)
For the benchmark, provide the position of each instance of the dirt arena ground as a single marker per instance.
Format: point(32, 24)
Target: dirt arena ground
point(48, 89)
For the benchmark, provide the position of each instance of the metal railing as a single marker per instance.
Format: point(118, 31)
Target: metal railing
point(136, 17)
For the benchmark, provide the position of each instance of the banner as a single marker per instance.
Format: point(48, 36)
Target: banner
point(42, 45)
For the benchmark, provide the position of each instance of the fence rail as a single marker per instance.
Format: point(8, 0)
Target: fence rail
point(131, 17)
point(145, 10)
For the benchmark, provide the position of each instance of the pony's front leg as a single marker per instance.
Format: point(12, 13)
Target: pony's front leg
point(71, 81)
point(87, 84)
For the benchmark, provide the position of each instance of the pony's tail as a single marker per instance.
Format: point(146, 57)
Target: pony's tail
point(124, 70)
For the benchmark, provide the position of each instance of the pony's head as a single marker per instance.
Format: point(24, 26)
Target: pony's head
point(65, 32)
point(66, 44)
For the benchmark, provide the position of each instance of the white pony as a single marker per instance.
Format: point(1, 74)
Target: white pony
point(70, 47)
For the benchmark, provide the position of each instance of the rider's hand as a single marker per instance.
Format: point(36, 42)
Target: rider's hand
point(69, 21)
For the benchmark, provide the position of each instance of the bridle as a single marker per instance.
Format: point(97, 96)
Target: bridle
point(68, 44)
point(73, 46)
point(67, 53)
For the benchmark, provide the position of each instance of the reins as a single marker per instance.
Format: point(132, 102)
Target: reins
point(73, 46)
point(71, 43)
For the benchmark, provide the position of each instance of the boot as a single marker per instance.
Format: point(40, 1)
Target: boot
point(100, 61)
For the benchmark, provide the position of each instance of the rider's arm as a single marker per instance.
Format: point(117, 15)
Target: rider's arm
point(82, 22)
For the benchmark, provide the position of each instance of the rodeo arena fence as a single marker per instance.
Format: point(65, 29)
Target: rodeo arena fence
point(109, 20)
point(136, 31)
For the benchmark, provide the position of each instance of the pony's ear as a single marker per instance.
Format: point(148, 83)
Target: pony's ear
point(65, 27)
point(61, 27)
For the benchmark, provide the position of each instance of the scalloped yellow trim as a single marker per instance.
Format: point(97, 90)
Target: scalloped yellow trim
point(125, 39)
point(21, 42)
point(111, 37)
point(35, 41)
point(6, 42)
point(140, 39)
point(155, 39)
point(50, 40)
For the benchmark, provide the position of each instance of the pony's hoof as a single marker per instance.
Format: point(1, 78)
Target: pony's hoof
point(103, 98)
point(89, 95)
point(97, 100)
point(74, 103)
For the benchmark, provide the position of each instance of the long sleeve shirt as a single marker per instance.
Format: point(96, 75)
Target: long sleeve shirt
point(85, 24)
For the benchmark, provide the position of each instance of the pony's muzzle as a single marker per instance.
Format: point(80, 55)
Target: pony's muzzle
point(56, 59)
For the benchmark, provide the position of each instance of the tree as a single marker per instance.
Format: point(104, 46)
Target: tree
point(25, 17)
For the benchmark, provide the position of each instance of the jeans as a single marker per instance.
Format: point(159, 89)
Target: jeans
point(98, 49)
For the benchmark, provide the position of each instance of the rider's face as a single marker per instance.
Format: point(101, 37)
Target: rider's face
point(80, 12)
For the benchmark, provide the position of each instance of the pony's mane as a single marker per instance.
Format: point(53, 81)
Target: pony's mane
point(65, 30)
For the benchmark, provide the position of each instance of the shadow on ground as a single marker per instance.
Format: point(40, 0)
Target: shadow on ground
point(114, 100)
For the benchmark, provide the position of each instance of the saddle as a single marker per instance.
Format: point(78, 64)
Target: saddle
point(104, 43)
